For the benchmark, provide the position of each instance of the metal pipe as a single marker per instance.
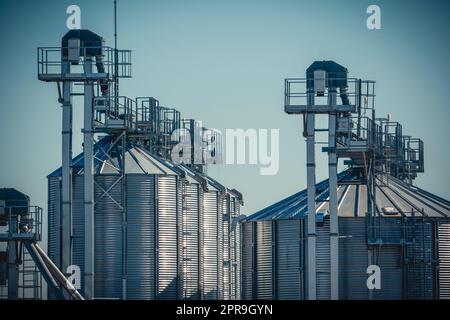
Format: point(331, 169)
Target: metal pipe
point(73, 293)
point(43, 269)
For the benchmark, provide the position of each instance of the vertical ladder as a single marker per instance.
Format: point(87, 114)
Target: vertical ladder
point(31, 283)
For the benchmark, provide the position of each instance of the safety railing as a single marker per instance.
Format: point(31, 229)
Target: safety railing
point(114, 113)
point(110, 63)
point(357, 93)
point(355, 133)
point(413, 155)
point(383, 230)
point(213, 146)
point(146, 112)
point(24, 222)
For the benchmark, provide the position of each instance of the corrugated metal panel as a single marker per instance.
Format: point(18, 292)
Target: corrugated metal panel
point(247, 260)
point(141, 254)
point(353, 259)
point(167, 237)
point(210, 245)
point(78, 224)
point(289, 256)
point(237, 259)
point(238, 246)
point(190, 242)
point(264, 260)
point(444, 260)
point(323, 276)
point(388, 258)
point(108, 238)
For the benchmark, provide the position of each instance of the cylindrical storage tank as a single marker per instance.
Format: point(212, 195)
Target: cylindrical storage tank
point(137, 219)
point(409, 247)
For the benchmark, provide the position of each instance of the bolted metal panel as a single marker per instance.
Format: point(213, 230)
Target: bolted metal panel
point(167, 237)
point(444, 260)
point(78, 225)
point(353, 259)
point(388, 258)
point(140, 251)
point(220, 260)
point(226, 281)
point(323, 276)
point(264, 260)
point(289, 252)
point(210, 245)
point(236, 234)
point(108, 237)
point(190, 241)
point(236, 259)
point(247, 260)
point(419, 260)
point(54, 223)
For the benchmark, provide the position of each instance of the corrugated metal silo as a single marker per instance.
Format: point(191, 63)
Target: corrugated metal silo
point(211, 236)
point(137, 254)
point(410, 247)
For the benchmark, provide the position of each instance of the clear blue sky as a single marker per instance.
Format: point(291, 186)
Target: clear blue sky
point(224, 62)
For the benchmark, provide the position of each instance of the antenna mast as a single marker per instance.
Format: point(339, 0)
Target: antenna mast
point(116, 55)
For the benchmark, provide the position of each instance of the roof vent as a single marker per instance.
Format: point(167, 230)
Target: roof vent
point(389, 211)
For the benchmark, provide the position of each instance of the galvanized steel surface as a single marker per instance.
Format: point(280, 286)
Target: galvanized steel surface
point(108, 237)
point(210, 245)
point(444, 260)
point(190, 241)
point(168, 237)
point(141, 236)
point(289, 253)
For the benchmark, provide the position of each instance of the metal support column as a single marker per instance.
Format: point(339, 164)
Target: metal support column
point(311, 185)
point(88, 149)
point(333, 205)
point(66, 192)
point(13, 269)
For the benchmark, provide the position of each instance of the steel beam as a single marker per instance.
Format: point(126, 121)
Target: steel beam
point(13, 271)
point(333, 205)
point(88, 149)
point(311, 185)
point(66, 192)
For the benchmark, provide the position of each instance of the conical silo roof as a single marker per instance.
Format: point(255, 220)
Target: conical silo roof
point(107, 161)
point(393, 197)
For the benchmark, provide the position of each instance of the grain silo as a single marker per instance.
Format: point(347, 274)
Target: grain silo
point(408, 241)
point(364, 233)
point(136, 255)
point(122, 212)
